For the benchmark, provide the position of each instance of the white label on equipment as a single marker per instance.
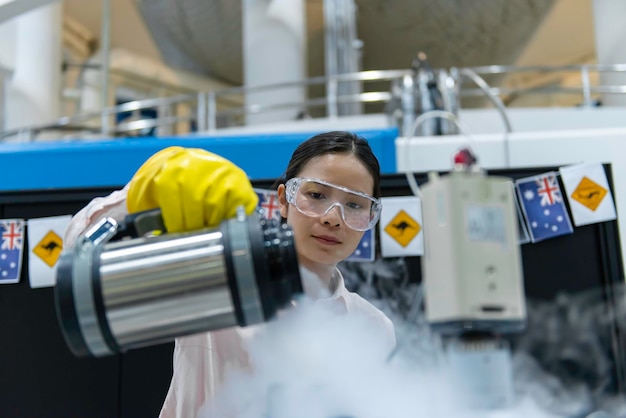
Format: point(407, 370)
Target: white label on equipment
point(485, 224)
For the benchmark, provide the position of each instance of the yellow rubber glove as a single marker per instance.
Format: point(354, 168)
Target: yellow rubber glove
point(193, 188)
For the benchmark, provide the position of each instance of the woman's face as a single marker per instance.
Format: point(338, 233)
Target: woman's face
point(326, 239)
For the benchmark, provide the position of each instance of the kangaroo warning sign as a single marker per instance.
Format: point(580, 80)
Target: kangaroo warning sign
point(403, 228)
point(589, 193)
point(45, 238)
point(49, 248)
point(401, 224)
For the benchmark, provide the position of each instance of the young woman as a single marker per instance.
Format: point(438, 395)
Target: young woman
point(329, 195)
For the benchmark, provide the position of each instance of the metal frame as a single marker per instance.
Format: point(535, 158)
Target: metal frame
point(213, 106)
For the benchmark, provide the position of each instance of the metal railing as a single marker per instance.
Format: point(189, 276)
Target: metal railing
point(210, 111)
point(585, 89)
point(91, 122)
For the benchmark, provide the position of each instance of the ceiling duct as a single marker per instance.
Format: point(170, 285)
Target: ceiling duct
point(205, 35)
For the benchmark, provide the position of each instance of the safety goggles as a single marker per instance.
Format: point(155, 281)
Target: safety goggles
point(314, 197)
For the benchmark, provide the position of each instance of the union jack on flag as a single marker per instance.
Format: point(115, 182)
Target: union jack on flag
point(549, 190)
point(268, 203)
point(542, 203)
point(11, 243)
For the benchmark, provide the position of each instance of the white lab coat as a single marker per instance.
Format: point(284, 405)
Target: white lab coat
point(201, 361)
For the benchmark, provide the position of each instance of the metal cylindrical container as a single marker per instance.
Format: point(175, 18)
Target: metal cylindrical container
point(115, 296)
point(159, 287)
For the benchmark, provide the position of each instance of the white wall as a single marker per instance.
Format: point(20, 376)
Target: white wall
point(485, 121)
point(33, 89)
point(8, 33)
point(274, 52)
point(610, 30)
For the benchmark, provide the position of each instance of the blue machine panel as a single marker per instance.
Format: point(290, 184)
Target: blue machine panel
point(81, 163)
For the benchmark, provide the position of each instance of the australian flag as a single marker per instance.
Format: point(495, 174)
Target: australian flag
point(268, 203)
point(542, 203)
point(365, 250)
point(11, 240)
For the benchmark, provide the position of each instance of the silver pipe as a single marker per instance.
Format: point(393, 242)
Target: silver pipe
point(150, 123)
point(330, 53)
point(372, 75)
point(348, 55)
point(501, 69)
point(257, 108)
point(367, 97)
point(353, 43)
point(105, 51)
point(482, 84)
point(497, 91)
point(448, 89)
point(423, 78)
point(148, 103)
point(586, 84)
point(164, 113)
point(407, 98)
point(331, 97)
point(201, 119)
point(211, 112)
point(3, 98)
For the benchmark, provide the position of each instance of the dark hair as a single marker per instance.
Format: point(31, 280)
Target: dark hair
point(336, 142)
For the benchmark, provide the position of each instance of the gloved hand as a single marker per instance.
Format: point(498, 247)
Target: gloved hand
point(193, 188)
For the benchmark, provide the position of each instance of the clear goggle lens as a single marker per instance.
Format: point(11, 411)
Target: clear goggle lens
point(315, 197)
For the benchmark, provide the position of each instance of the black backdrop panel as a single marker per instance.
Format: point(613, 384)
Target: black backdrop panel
point(144, 380)
point(39, 377)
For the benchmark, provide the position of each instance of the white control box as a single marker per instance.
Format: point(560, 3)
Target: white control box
point(471, 268)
